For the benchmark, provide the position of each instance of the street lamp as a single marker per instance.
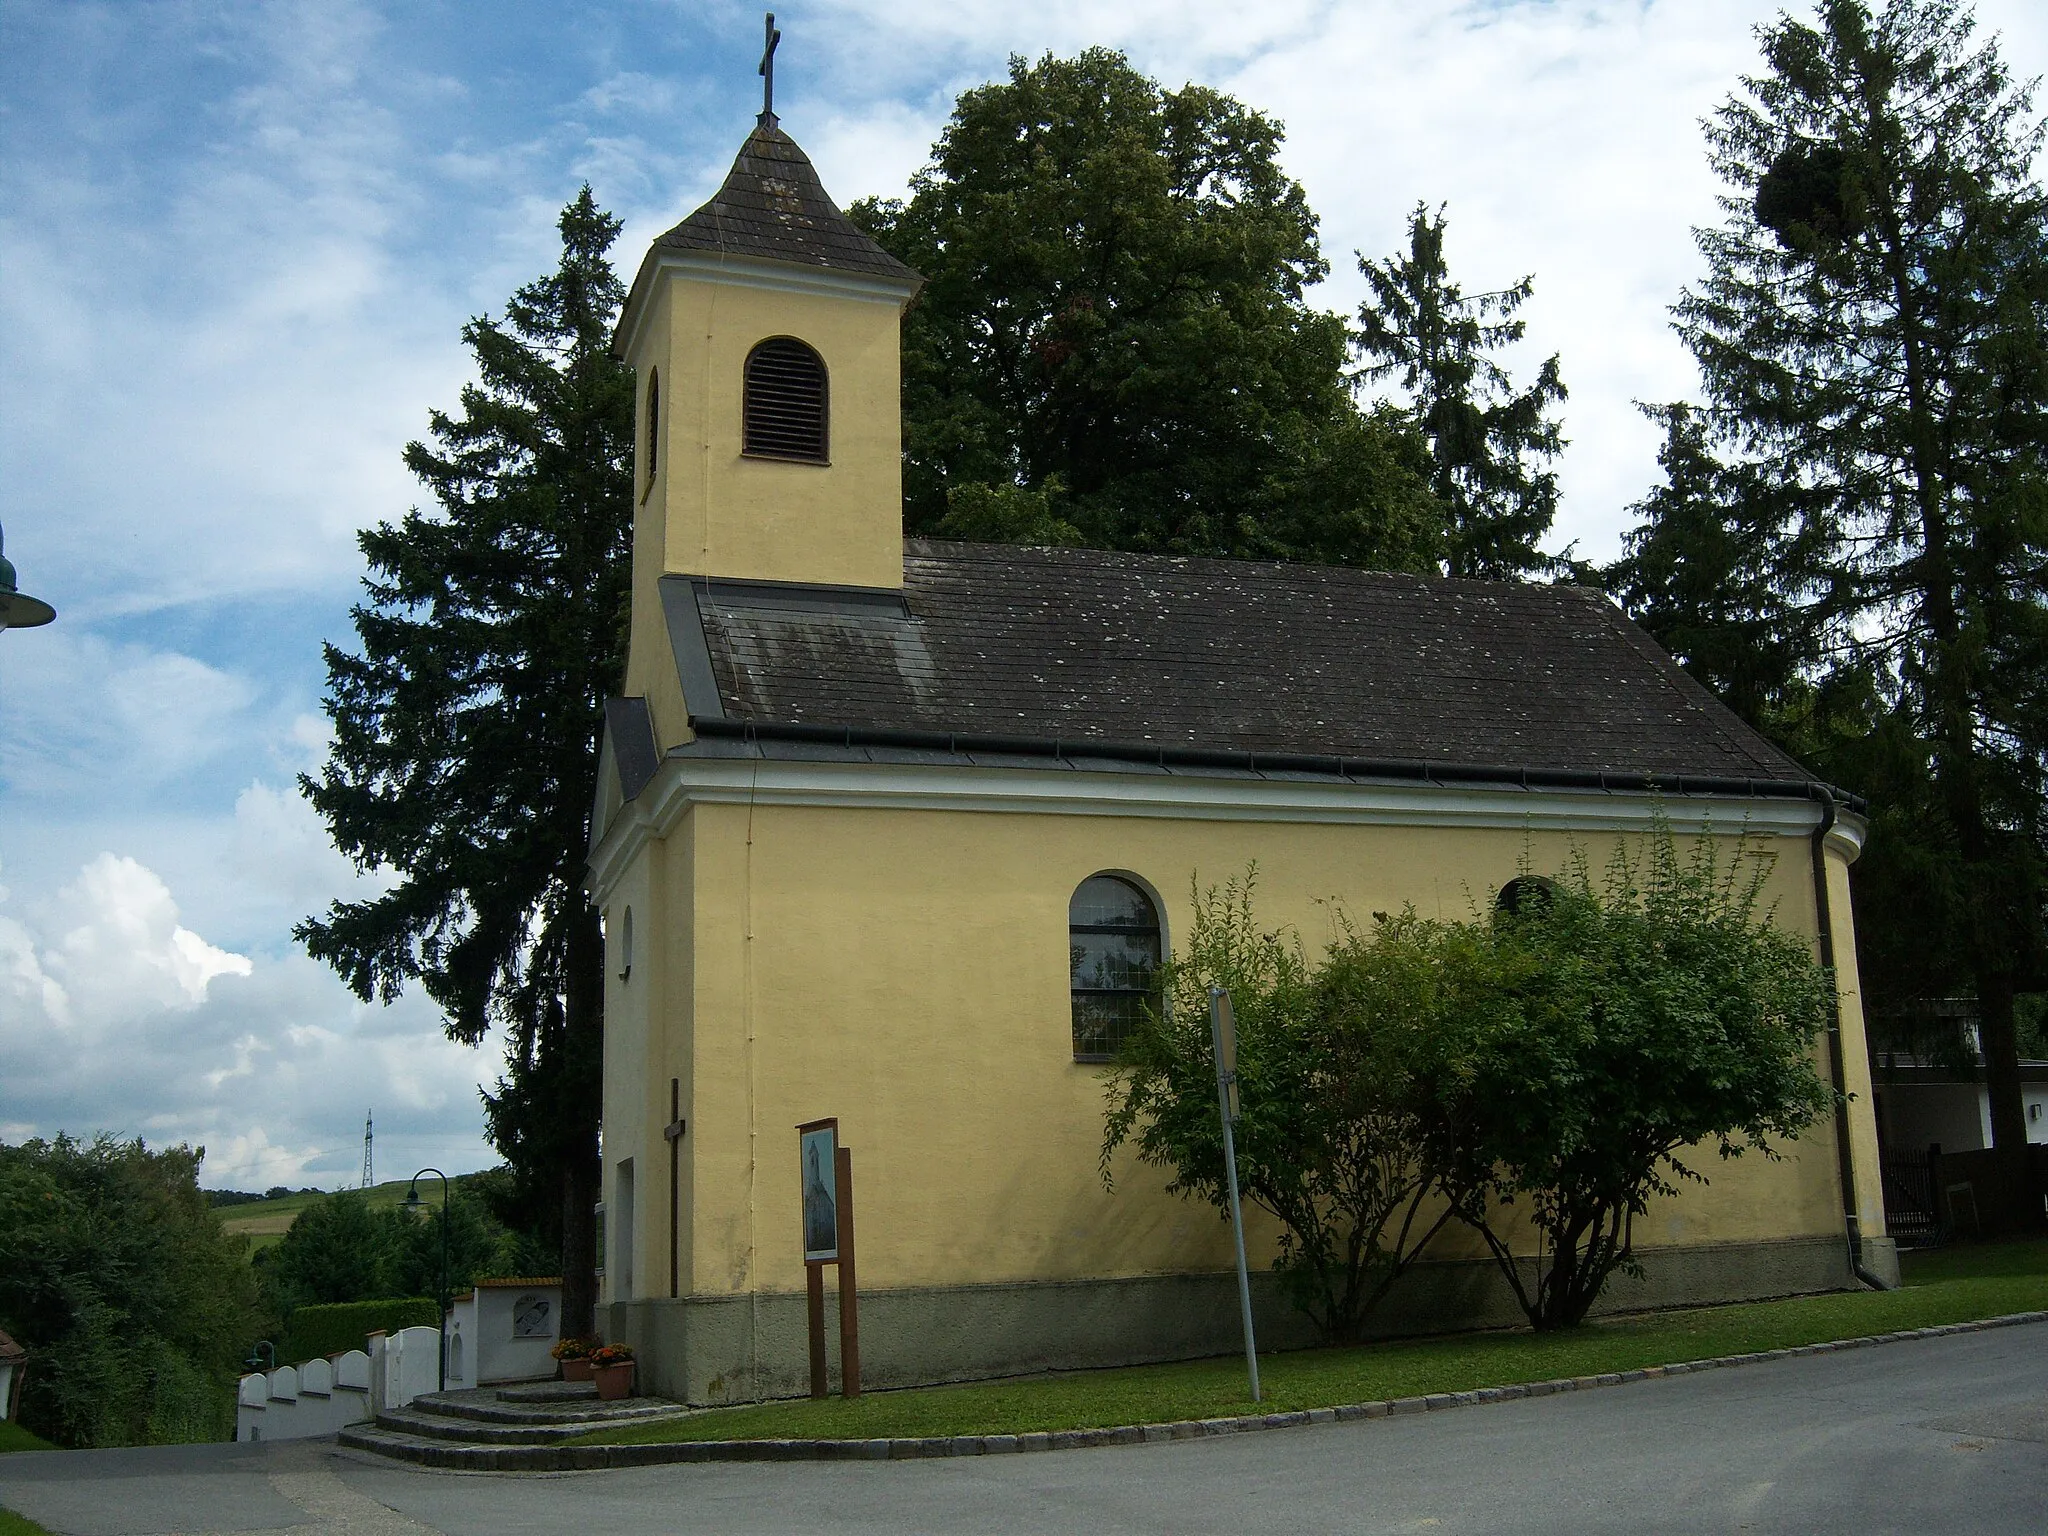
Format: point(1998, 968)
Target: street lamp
point(17, 609)
point(414, 1205)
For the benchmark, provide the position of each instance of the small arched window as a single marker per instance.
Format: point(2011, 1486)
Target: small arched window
point(653, 423)
point(787, 402)
point(1525, 894)
point(1113, 941)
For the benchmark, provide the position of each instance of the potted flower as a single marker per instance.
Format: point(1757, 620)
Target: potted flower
point(575, 1357)
point(611, 1366)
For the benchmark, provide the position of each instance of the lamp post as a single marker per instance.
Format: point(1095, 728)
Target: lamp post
point(414, 1204)
point(17, 609)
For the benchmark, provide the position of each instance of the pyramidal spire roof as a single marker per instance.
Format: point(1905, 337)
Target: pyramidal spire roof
point(773, 208)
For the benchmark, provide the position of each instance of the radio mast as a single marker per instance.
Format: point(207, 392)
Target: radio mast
point(368, 1177)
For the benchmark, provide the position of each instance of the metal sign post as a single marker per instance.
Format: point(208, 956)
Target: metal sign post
point(1223, 1032)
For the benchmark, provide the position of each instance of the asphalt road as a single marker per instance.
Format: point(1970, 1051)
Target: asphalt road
point(1938, 1435)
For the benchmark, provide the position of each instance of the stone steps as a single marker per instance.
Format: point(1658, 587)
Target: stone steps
point(499, 1406)
point(499, 1428)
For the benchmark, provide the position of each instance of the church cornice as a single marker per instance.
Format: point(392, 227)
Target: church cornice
point(745, 272)
point(685, 780)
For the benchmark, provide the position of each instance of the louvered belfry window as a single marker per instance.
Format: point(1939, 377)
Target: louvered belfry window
point(786, 401)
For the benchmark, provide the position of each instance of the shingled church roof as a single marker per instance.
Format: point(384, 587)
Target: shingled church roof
point(990, 650)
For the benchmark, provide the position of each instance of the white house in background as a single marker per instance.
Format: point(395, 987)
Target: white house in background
point(504, 1330)
point(1921, 1106)
point(13, 1365)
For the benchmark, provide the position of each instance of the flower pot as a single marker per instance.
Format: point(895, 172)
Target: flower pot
point(576, 1370)
point(614, 1381)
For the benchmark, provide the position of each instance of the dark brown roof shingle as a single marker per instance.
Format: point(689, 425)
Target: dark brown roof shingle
point(1080, 645)
point(773, 207)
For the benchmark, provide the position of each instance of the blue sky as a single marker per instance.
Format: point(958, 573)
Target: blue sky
point(238, 243)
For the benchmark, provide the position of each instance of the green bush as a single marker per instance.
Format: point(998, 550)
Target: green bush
point(133, 1304)
point(1558, 1063)
point(330, 1328)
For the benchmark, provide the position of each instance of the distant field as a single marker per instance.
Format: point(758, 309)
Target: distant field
point(265, 1222)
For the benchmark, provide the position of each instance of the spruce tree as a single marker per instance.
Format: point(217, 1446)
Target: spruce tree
point(1707, 577)
point(1487, 440)
point(467, 721)
point(1872, 333)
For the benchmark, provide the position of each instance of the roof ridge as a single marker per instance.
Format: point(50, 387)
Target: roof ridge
point(942, 549)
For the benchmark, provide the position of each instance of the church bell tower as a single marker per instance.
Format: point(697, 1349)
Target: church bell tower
point(765, 331)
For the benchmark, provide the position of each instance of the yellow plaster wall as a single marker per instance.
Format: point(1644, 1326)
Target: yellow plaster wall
point(650, 660)
point(722, 514)
point(907, 972)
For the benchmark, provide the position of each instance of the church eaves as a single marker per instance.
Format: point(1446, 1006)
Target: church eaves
point(772, 207)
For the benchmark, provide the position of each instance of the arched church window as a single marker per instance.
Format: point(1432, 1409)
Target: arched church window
point(1525, 894)
point(787, 402)
point(1113, 942)
point(653, 423)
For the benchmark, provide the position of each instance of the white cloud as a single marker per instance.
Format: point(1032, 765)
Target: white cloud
point(115, 948)
point(116, 1016)
point(631, 91)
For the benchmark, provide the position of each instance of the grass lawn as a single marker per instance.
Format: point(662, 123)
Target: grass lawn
point(14, 1438)
point(12, 1524)
point(265, 1222)
point(1951, 1286)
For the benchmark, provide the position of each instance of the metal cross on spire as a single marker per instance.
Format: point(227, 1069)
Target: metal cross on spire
point(773, 36)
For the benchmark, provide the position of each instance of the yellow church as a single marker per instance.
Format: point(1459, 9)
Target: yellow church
point(870, 807)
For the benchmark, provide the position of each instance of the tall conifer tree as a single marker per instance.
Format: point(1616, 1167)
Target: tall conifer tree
point(1872, 332)
point(1706, 575)
point(467, 723)
point(1487, 440)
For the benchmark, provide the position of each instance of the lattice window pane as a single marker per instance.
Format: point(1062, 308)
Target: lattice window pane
point(1113, 950)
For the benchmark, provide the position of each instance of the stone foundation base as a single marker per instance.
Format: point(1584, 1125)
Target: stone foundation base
point(727, 1349)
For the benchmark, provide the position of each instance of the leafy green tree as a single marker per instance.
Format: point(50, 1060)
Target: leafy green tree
point(478, 1246)
point(1872, 332)
point(467, 724)
point(132, 1302)
point(1486, 438)
point(340, 1248)
point(1609, 1032)
point(1114, 324)
point(336, 1249)
point(1328, 1061)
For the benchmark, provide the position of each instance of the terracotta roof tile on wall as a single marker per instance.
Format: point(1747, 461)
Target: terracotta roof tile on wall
point(1237, 656)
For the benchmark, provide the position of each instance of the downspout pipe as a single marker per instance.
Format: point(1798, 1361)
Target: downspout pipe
point(1823, 907)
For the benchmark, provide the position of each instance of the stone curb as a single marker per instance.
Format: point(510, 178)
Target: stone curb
point(579, 1458)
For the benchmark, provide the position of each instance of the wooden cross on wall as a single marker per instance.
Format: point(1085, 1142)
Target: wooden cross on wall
point(674, 1132)
point(767, 71)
